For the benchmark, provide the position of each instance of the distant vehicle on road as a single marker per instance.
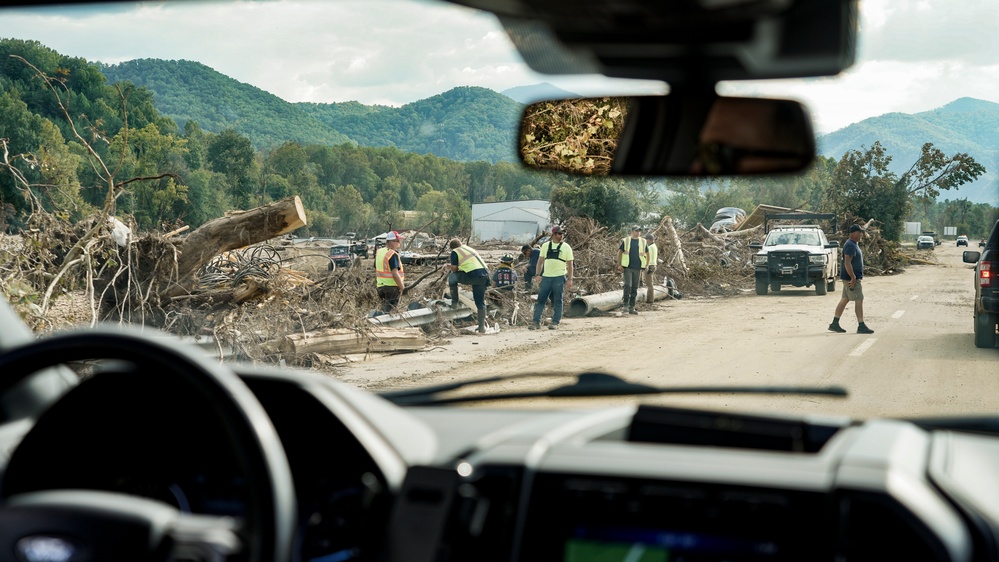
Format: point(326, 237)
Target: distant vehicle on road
point(342, 255)
point(962, 240)
point(925, 243)
point(933, 235)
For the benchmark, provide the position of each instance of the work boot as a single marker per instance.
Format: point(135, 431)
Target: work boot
point(835, 327)
point(454, 296)
point(863, 329)
point(534, 326)
point(482, 321)
point(632, 311)
point(553, 326)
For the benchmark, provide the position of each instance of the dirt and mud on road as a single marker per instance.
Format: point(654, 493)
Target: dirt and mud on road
point(921, 360)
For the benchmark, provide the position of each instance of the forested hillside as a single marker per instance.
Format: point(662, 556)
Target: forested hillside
point(190, 91)
point(964, 125)
point(465, 124)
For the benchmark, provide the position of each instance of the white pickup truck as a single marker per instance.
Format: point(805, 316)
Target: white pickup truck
point(798, 255)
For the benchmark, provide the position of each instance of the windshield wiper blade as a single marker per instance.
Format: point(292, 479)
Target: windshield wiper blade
point(588, 385)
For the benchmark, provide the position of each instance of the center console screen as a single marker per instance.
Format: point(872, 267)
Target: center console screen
point(606, 519)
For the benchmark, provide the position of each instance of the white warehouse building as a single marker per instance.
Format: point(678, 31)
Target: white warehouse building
point(510, 221)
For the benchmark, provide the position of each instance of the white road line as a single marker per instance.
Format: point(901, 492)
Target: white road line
point(863, 347)
point(898, 314)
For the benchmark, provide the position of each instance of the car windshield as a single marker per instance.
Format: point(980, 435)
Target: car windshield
point(136, 135)
point(802, 238)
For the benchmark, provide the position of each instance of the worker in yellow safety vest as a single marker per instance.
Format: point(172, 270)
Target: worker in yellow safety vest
point(650, 271)
point(391, 279)
point(633, 258)
point(468, 268)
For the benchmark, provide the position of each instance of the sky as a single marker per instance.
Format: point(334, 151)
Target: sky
point(913, 55)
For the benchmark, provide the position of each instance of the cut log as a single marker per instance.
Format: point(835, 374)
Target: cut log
point(343, 341)
point(237, 229)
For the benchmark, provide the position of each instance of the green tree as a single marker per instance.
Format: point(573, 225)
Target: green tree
point(606, 201)
point(349, 209)
point(207, 200)
point(232, 155)
point(862, 186)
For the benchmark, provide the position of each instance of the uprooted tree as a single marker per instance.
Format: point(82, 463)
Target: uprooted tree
point(86, 250)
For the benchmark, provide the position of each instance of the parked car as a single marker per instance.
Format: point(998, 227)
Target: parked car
point(962, 240)
point(986, 306)
point(925, 243)
point(800, 256)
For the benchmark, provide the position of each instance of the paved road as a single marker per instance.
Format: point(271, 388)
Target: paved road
point(921, 360)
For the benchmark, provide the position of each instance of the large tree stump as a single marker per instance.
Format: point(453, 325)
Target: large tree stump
point(237, 229)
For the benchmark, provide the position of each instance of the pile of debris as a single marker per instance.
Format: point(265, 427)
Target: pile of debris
point(232, 284)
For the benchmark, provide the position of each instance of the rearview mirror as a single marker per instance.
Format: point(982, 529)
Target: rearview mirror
point(674, 135)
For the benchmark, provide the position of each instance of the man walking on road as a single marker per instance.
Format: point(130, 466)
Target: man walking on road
point(555, 270)
point(390, 281)
point(633, 258)
point(469, 269)
point(851, 273)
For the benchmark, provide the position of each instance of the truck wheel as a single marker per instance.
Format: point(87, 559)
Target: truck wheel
point(831, 286)
point(985, 330)
point(820, 287)
point(761, 286)
point(775, 287)
point(332, 266)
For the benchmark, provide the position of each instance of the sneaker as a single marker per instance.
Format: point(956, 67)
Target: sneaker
point(835, 327)
point(863, 329)
point(534, 326)
point(632, 311)
point(553, 326)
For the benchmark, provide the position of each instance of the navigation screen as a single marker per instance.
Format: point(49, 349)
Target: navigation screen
point(610, 544)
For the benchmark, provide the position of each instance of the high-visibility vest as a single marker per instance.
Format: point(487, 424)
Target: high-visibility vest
point(626, 256)
point(468, 259)
point(653, 254)
point(385, 278)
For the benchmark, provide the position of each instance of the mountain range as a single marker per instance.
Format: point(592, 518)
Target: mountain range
point(964, 125)
point(477, 124)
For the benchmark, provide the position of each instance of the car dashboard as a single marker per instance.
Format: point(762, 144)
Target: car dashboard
point(375, 481)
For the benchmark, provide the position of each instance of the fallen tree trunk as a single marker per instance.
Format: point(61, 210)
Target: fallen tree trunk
point(343, 341)
point(677, 246)
point(237, 229)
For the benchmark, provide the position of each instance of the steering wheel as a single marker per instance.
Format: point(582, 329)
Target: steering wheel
point(92, 525)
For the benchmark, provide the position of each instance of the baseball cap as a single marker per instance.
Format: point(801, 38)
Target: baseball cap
point(636, 227)
point(856, 228)
point(558, 230)
point(648, 236)
point(393, 235)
